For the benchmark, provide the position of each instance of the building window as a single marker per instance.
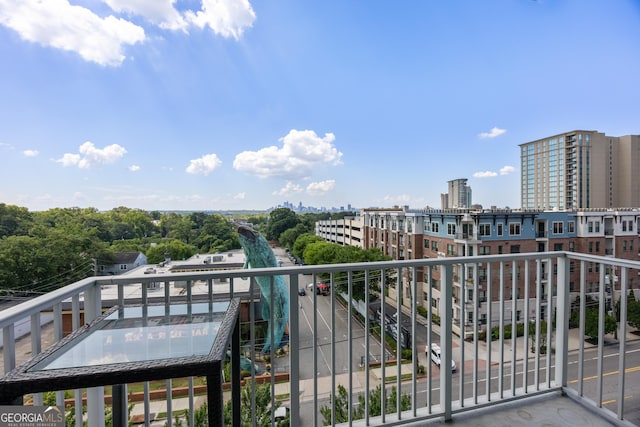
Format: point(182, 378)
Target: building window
point(515, 249)
point(426, 243)
point(624, 245)
point(123, 266)
point(590, 246)
point(427, 227)
point(624, 225)
point(590, 226)
point(514, 229)
point(451, 229)
point(597, 227)
point(572, 246)
point(485, 229)
point(499, 228)
point(499, 249)
point(451, 249)
point(557, 247)
point(484, 250)
point(571, 227)
point(597, 247)
point(434, 246)
point(558, 227)
point(435, 227)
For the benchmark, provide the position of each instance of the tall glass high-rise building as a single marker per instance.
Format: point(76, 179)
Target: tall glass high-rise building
point(580, 169)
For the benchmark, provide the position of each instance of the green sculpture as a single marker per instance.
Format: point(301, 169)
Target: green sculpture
point(276, 299)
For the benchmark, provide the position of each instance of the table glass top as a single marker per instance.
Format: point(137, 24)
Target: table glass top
point(142, 333)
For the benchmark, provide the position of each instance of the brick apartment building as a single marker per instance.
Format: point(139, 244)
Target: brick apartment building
point(403, 233)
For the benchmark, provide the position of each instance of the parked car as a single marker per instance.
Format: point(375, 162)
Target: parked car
point(435, 356)
point(302, 292)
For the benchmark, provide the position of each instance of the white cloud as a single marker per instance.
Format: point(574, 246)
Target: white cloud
point(204, 165)
point(90, 155)
point(322, 187)
point(58, 24)
point(301, 151)
point(289, 188)
point(492, 133)
point(239, 196)
point(30, 153)
point(506, 170)
point(134, 168)
point(229, 18)
point(485, 174)
point(158, 12)
point(102, 39)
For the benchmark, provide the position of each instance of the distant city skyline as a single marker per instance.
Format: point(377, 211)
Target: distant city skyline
point(162, 105)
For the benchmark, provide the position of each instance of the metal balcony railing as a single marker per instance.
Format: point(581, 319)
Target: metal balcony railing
point(327, 336)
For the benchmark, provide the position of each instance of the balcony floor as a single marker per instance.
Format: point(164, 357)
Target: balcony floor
point(547, 410)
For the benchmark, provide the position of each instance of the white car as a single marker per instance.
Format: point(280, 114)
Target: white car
point(435, 356)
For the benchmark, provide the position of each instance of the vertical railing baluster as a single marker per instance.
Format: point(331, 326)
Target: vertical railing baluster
point(463, 329)
point(488, 330)
point(333, 348)
point(36, 347)
point(601, 318)
point(476, 303)
point(525, 350)
point(446, 340)
point(623, 342)
point(501, 329)
point(414, 345)
point(549, 320)
point(514, 325)
point(367, 327)
point(429, 340)
point(294, 347)
point(349, 342)
point(583, 293)
point(562, 323)
point(315, 349)
point(383, 331)
point(399, 288)
point(539, 320)
point(95, 395)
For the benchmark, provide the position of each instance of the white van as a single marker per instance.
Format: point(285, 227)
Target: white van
point(435, 356)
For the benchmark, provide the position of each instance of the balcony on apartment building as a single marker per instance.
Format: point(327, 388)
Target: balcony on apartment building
point(548, 375)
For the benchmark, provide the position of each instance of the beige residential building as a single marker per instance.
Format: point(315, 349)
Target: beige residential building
point(580, 169)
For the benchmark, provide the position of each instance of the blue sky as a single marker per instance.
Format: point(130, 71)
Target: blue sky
point(236, 104)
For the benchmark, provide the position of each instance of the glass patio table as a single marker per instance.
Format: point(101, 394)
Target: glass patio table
point(130, 344)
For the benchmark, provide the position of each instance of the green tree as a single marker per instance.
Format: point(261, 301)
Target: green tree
point(288, 237)
point(280, 219)
point(591, 323)
point(301, 243)
point(216, 234)
point(341, 404)
point(14, 220)
point(321, 252)
point(633, 310)
point(175, 249)
point(261, 409)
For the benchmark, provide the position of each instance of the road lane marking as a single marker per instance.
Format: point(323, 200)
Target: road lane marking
point(594, 377)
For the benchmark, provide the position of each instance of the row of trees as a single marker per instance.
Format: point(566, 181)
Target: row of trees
point(41, 251)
